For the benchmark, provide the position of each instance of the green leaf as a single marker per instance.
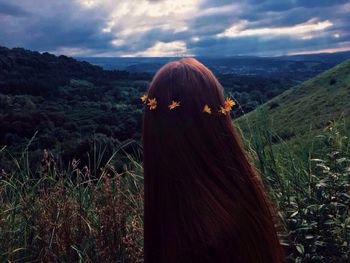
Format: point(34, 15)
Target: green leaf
point(341, 160)
point(300, 248)
point(329, 222)
point(347, 221)
point(294, 214)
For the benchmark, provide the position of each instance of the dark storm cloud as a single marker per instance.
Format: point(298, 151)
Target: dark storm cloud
point(85, 28)
point(11, 10)
point(254, 45)
point(269, 14)
point(317, 3)
point(60, 24)
point(274, 5)
point(278, 5)
point(212, 23)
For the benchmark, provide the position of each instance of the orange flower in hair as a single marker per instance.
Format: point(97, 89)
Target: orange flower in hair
point(152, 103)
point(207, 109)
point(144, 98)
point(229, 103)
point(174, 104)
point(222, 110)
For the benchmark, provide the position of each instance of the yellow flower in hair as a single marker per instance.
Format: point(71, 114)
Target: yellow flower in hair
point(144, 98)
point(152, 103)
point(206, 109)
point(222, 110)
point(174, 104)
point(229, 103)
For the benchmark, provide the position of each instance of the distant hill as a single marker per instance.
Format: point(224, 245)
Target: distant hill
point(308, 106)
point(28, 72)
point(301, 67)
point(335, 57)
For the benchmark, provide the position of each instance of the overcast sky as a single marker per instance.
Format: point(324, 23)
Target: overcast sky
point(176, 27)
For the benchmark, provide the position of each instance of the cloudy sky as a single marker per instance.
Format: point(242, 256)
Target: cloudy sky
point(176, 27)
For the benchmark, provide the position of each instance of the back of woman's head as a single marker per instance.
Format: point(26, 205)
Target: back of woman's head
point(203, 199)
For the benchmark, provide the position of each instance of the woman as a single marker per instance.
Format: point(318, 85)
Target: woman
point(203, 200)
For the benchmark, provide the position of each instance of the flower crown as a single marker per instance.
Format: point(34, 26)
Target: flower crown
point(224, 109)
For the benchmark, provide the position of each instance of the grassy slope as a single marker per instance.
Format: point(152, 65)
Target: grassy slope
point(306, 107)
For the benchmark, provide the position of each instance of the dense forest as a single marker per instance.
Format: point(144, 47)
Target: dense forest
point(67, 104)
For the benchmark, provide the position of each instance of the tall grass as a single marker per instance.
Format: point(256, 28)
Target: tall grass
point(93, 212)
point(308, 178)
point(76, 215)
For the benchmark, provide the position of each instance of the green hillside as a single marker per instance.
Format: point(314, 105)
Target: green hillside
point(307, 107)
point(299, 141)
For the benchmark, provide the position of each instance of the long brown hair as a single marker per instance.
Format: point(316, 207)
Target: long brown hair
point(204, 202)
